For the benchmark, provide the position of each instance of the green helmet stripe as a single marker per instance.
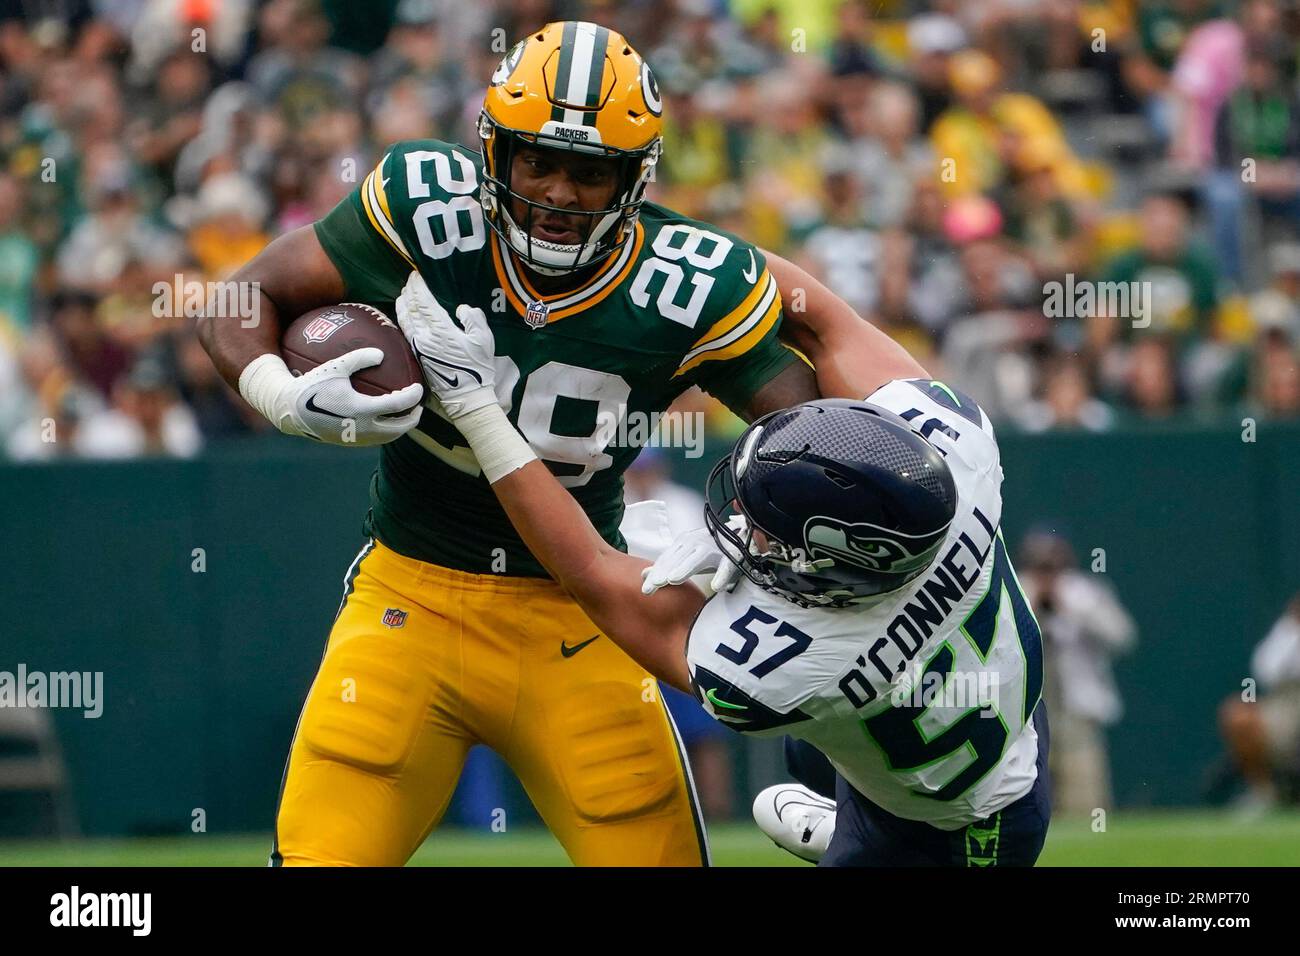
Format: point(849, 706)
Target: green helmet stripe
point(561, 92)
point(596, 74)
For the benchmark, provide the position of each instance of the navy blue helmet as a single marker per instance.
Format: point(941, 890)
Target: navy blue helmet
point(852, 501)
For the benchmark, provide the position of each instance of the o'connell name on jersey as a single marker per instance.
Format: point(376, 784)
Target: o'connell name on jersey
point(923, 702)
point(680, 304)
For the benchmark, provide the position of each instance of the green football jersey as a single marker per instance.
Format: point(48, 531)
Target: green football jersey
point(580, 372)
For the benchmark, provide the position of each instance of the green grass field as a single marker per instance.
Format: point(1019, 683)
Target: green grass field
point(1165, 839)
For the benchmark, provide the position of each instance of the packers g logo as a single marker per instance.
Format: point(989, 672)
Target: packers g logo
point(650, 90)
point(508, 64)
point(871, 547)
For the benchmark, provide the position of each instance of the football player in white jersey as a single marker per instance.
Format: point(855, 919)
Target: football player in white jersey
point(877, 619)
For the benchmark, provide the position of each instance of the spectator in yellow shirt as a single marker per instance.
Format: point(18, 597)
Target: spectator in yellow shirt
point(977, 140)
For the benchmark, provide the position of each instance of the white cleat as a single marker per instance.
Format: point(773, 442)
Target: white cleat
point(797, 819)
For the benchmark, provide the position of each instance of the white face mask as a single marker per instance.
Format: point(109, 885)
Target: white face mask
point(556, 258)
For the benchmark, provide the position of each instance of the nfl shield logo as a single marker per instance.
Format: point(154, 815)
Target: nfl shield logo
point(323, 326)
point(393, 617)
point(536, 314)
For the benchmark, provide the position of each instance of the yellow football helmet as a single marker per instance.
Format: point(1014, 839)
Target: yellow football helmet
point(574, 86)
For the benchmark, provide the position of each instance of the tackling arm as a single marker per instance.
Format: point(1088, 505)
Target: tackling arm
point(604, 581)
point(458, 356)
point(851, 356)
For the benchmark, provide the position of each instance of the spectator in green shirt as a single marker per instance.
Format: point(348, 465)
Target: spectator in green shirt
point(1180, 276)
point(19, 259)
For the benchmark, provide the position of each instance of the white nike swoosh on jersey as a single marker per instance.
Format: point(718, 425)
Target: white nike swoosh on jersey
point(751, 273)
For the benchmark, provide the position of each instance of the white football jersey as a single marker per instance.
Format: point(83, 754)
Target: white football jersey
point(923, 701)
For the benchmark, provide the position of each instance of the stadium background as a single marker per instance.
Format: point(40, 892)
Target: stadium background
point(1105, 140)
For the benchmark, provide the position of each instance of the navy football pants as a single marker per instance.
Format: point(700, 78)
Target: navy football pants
point(866, 835)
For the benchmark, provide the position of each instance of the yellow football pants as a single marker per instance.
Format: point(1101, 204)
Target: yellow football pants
point(422, 663)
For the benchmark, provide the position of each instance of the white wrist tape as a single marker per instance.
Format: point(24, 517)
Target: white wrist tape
point(262, 383)
point(499, 448)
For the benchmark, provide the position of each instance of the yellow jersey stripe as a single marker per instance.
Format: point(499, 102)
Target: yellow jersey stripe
point(740, 346)
point(377, 183)
point(771, 295)
point(737, 315)
point(370, 205)
point(378, 205)
point(374, 224)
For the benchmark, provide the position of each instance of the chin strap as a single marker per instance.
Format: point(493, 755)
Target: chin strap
point(800, 566)
point(582, 254)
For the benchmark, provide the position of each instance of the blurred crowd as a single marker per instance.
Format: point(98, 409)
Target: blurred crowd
point(938, 164)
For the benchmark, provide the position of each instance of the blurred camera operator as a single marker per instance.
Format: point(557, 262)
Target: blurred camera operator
point(1084, 627)
point(1263, 736)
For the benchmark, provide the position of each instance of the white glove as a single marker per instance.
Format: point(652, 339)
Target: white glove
point(322, 404)
point(646, 529)
point(695, 552)
point(456, 356)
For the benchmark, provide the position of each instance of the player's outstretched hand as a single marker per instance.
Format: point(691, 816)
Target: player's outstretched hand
point(695, 552)
point(455, 354)
point(322, 403)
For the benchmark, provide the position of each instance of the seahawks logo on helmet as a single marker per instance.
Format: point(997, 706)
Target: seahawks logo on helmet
point(508, 64)
point(869, 546)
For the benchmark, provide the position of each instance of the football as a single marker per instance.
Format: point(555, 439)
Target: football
point(323, 334)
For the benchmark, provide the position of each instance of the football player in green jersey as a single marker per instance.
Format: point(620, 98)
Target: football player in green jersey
point(604, 307)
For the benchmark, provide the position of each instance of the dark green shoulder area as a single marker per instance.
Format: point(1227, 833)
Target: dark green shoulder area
point(733, 268)
point(416, 170)
point(736, 262)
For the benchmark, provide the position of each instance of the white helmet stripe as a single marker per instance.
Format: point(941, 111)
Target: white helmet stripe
point(576, 90)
